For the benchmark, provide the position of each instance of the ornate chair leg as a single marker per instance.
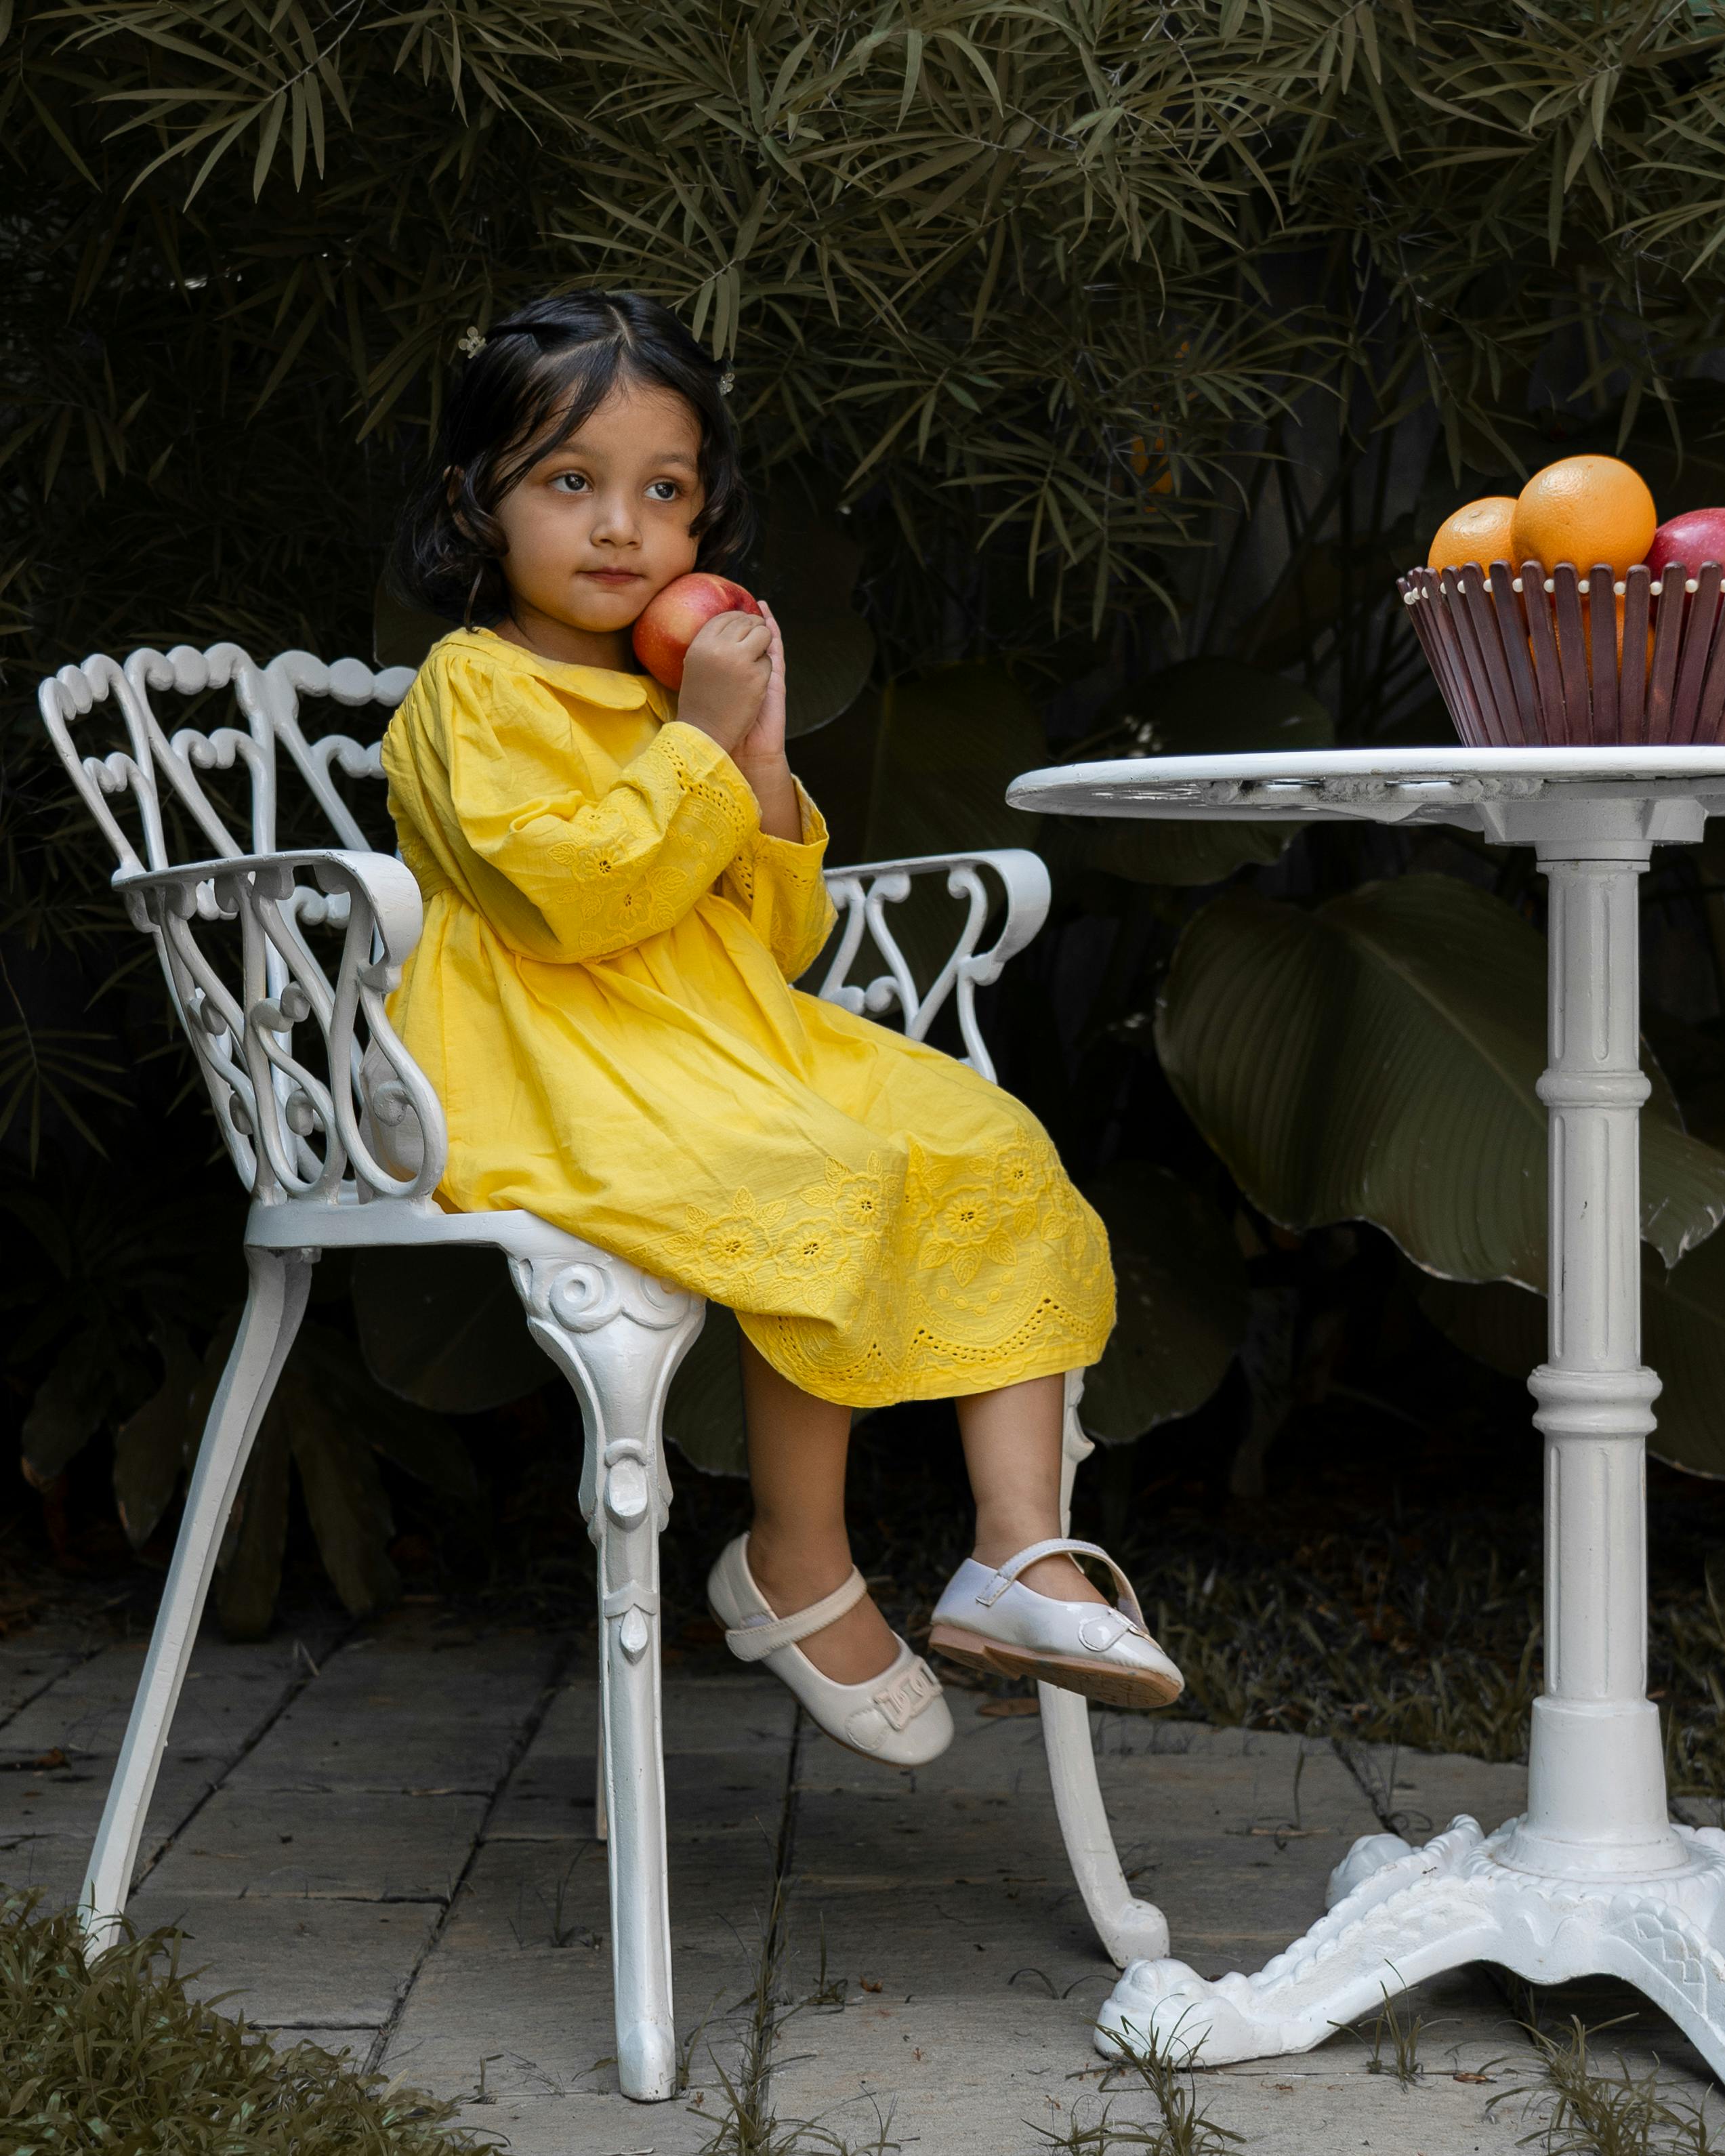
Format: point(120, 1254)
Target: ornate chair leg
point(280, 1281)
point(618, 1335)
point(1129, 1929)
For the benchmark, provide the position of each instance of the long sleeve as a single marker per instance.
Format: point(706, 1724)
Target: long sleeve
point(778, 883)
point(603, 868)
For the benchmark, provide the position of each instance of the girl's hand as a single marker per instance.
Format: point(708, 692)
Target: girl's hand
point(763, 744)
point(727, 675)
point(760, 754)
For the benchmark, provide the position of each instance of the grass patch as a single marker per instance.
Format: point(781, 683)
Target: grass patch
point(1178, 2122)
point(1615, 2112)
point(107, 2052)
point(1428, 1637)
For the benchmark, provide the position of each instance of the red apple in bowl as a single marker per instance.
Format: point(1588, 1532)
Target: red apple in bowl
point(1695, 537)
point(672, 619)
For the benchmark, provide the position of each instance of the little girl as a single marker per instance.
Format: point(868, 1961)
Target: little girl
point(620, 885)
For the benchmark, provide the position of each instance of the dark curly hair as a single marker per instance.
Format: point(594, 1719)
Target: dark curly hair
point(540, 375)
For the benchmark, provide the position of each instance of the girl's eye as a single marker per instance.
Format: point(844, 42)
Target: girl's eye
point(571, 482)
point(662, 490)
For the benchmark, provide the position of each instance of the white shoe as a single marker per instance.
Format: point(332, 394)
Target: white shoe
point(899, 1717)
point(987, 1619)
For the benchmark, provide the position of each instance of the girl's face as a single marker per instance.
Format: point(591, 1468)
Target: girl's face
point(601, 524)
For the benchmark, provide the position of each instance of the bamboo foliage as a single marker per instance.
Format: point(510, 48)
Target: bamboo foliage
point(970, 256)
point(1118, 331)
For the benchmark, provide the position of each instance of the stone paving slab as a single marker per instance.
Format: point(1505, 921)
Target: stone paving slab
point(1421, 1792)
point(320, 1844)
point(382, 1838)
point(409, 1708)
point(30, 1661)
point(296, 1963)
point(228, 1690)
point(984, 2003)
point(740, 1727)
point(943, 2094)
point(49, 1812)
point(521, 1978)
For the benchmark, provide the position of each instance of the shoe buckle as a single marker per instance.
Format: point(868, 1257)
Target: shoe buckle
point(904, 1698)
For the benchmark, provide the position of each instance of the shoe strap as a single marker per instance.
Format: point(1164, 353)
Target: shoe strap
point(1062, 1546)
point(757, 1637)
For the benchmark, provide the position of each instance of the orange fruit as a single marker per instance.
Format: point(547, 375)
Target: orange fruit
point(1586, 631)
point(1585, 510)
point(1477, 532)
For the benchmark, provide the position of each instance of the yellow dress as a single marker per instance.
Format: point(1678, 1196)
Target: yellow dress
point(601, 999)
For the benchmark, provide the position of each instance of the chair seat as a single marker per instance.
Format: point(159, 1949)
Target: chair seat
point(348, 1223)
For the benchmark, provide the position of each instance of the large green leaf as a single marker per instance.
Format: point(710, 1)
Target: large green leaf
point(1683, 1339)
point(1204, 708)
point(1376, 1059)
point(344, 1495)
point(951, 740)
point(704, 1411)
point(1181, 1284)
point(250, 1576)
point(1160, 849)
point(1683, 1328)
point(68, 1409)
point(949, 744)
point(150, 1445)
point(444, 1329)
point(422, 1444)
point(1498, 1322)
point(807, 571)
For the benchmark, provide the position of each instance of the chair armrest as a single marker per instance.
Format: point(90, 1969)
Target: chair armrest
point(862, 894)
point(295, 1131)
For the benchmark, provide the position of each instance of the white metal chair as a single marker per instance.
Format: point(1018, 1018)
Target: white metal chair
point(340, 1140)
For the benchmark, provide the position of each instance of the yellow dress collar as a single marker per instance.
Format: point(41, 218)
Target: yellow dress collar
point(603, 685)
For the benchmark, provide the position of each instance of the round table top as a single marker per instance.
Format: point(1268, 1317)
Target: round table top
point(1382, 786)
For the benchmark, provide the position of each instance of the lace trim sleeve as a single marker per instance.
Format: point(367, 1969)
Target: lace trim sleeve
point(780, 885)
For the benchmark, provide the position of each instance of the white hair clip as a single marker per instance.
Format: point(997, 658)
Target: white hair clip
point(727, 383)
point(472, 343)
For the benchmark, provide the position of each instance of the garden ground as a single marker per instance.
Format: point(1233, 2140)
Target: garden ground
point(380, 1835)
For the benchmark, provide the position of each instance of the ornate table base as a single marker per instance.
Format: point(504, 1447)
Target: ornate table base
point(1398, 1915)
point(1595, 1880)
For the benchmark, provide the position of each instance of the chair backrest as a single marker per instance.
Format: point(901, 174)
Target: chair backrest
point(196, 819)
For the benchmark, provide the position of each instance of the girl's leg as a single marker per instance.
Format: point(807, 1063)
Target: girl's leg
point(798, 1550)
point(1012, 1449)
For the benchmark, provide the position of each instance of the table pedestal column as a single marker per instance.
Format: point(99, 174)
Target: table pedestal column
point(1596, 1799)
point(1594, 1880)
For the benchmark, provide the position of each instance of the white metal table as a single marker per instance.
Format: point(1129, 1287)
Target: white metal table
point(1595, 1878)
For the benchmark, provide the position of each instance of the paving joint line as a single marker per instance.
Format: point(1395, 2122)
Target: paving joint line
point(305, 1671)
point(531, 1723)
point(59, 1676)
point(358, 1901)
point(1347, 1753)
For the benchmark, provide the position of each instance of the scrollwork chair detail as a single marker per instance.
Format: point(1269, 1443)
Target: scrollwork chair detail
point(278, 961)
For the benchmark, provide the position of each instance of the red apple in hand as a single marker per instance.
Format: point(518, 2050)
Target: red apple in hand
point(1697, 536)
point(671, 619)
